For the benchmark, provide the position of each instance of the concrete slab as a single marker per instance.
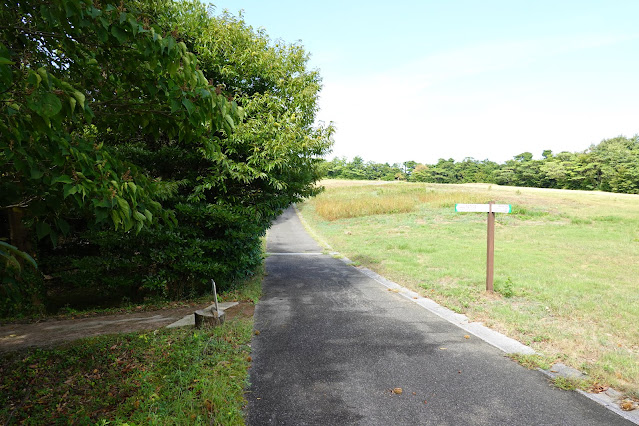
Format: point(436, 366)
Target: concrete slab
point(189, 320)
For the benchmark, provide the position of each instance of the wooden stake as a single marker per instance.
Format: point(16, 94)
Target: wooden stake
point(215, 294)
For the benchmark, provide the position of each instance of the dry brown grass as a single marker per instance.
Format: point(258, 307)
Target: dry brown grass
point(332, 209)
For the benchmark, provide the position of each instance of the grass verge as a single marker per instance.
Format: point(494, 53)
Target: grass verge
point(167, 376)
point(566, 263)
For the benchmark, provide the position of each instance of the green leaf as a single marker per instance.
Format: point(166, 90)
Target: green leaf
point(69, 190)
point(188, 105)
point(54, 237)
point(125, 207)
point(62, 179)
point(36, 173)
point(9, 250)
point(46, 105)
point(170, 41)
point(79, 96)
point(139, 216)
point(42, 229)
point(101, 214)
point(134, 25)
point(115, 216)
point(64, 226)
point(102, 33)
point(5, 61)
point(120, 34)
point(173, 68)
point(229, 120)
point(175, 105)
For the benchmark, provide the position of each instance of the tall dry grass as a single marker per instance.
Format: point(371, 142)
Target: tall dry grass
point(343, 202)
point(331, 208)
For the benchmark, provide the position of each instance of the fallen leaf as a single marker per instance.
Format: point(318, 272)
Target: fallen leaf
point(597, 388)
point(443, 349)
point(414, 393)
point(249, 359)
point(415, 297)
point(394, 290)
point(209, 405)
point(467, 336)
point(397, 391)
point(257, 332)
point(627, 405)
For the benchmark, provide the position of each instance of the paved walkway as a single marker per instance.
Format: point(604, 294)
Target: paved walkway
point(335, 347)
point(53, 332)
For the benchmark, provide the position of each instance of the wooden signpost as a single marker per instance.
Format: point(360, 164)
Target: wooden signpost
point(490, 208)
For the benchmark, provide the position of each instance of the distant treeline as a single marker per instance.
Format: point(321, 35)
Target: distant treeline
point(612, 165)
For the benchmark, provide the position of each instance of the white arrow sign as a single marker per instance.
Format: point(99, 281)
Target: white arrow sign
point(483, 208)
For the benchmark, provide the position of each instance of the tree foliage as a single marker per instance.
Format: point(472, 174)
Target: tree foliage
point(152, 142)
point(612, 165)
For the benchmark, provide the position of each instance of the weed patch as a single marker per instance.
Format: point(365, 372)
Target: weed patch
point(190, 377)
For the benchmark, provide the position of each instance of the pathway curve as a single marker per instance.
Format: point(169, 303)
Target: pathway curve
point(334, 348)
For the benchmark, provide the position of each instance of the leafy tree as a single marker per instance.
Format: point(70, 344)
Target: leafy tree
point(118, 115)
point(420, 174)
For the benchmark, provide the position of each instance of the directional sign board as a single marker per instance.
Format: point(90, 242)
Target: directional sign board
point(483, 208)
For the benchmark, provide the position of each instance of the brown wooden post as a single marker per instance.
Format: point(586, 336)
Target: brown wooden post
point(18, 235)
point(490, 249)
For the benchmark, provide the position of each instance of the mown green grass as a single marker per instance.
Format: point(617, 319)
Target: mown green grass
point(566, 263)
point(169, 376)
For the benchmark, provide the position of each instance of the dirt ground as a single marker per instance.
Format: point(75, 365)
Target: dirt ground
point(53, 332)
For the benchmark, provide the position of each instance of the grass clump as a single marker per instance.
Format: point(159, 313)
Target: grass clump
point(532, 362)
point(506, 289)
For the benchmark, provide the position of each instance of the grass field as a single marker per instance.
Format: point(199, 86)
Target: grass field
point(566, 262)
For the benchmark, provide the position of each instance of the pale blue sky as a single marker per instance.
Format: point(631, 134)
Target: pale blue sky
point(422, 80)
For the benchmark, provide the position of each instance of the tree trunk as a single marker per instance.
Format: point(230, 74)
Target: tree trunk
point(18, 235)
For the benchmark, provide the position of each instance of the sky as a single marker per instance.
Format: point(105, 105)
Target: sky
point(422, 80)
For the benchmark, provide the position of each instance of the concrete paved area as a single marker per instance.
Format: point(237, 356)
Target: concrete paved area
point(335, 347)
point(53, 332)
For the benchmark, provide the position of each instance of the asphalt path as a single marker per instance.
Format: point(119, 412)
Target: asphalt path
point(333, 347)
